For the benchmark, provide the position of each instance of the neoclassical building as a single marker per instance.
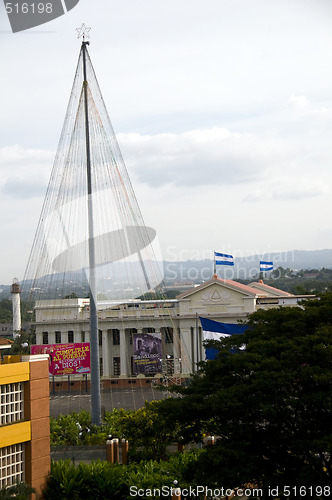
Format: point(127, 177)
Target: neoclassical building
point(177, 321)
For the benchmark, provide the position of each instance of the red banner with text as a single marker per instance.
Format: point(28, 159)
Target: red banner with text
point(66, 359)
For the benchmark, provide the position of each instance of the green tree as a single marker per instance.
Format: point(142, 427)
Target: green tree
point(147, 428)
point(72, 295)
point(269, 405)
point(6, 315)
point(76, 428)
point(301, 290)
point(27, 311)
point(22, 343)
point(20, 491)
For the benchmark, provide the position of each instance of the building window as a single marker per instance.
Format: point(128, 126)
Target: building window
point(148, 330)
point(12, 409)
point(11, 465)
point(58, 337)
point(45, 337)
point(116, 336)
point(100, 336)
point(131, 332)
point(101, 367)
point(168, 334)
point(82, 336)
point(70, 337)
point(116, 366)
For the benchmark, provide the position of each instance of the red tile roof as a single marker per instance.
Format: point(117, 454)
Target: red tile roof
point(230, 283)
point(4, 341)
point(262, 286)
point(240, 286)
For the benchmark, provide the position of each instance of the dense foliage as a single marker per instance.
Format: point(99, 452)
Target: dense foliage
point(22, 343)
point(304, 282)
point(270, 405)
point(148, 431)
point(101, 480)
point(6, 314)
point(20, 491)
point(77, 428)
point(6, 310)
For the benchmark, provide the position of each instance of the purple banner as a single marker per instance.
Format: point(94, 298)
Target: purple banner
point(147, 353)
point(66, 359)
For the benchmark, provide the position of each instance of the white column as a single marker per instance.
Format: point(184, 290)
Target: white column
point(51, 337)
point(16, 304)
point(202, 347)
point(123, 354)
point(39, 336)
point(176, 350)
point(186, 351)
point(105, 354)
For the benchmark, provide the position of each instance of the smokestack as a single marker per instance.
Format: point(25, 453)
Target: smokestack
point(16, 300)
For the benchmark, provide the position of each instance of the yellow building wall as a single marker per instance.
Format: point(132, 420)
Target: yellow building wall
point(14, 372)
point(35, 430)
point(15, 433)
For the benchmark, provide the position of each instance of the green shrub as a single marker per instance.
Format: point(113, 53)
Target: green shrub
point(99, 480)
point(77, 428)
point(148, 476)
point(20, 491)
point(65, 430)
point(102, 480)
point(113, 420)
point(148, 432)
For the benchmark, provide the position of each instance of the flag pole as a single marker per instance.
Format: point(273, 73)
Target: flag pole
point(214, 264)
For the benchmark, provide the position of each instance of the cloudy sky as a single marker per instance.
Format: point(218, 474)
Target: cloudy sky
point(222, 108)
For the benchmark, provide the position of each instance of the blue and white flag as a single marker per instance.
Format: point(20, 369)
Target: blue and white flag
point(214, 330)
point(266, 266)
point(223, 259)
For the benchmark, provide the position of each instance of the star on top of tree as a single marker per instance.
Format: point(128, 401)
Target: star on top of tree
point(83, 31)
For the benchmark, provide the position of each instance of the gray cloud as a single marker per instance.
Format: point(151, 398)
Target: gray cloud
point(200, 157)
point(24, 172)
point(289, 192)
point(23, 188)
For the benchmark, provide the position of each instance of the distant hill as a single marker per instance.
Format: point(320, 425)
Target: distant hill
point(247, 267)
point(303, 259)
point(196, 271)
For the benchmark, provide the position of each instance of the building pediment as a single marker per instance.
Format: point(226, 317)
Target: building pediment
point(217, 290)
point(215, 296)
